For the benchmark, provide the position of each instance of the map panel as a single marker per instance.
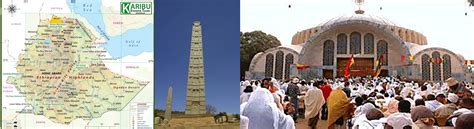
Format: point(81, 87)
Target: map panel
point(77, 64)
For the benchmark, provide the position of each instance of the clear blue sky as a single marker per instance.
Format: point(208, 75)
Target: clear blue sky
point(221, 27)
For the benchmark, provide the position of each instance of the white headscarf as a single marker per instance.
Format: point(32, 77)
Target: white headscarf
point(399, 120)
point(276, 83)
point(362, 110)
point(263, 112)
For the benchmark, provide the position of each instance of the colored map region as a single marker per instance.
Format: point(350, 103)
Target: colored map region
point(77, 64)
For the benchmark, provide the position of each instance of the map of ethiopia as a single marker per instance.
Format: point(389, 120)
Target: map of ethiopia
point(77, 64)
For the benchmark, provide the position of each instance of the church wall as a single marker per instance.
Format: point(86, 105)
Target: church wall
point(257, 66)
point(314, 52)
point(458, 70)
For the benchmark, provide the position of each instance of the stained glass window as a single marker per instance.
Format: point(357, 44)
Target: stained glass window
point(436, 66)
point(355, 43)
point(425, 68)
point(269, 65)
point(288, 61)
point(369, 43)
point(342, 44)
point(279, 65)
point(328, 52)
point(446, 66)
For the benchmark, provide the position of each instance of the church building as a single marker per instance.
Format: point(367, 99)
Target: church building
point(325, 50)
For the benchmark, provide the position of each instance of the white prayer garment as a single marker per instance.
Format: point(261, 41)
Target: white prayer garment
point(263, 113)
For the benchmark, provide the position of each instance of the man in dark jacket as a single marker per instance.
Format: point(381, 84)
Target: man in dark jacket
point(293, 91)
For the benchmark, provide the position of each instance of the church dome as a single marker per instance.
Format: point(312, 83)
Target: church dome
point(407, 35)
point(358, 17)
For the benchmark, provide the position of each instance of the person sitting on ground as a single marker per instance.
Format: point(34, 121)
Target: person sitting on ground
point(455, 87)
point(392, 107)
point(431, 102)
point(465, 121)
point(402, 118)
point(370, 120)
point(359, 101)
point(424, 91)
point(419, 102)
point(465, 106)
point(423, 118)
point(443, 112)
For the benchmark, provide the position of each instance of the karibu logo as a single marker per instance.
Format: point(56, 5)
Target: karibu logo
point(136, 8)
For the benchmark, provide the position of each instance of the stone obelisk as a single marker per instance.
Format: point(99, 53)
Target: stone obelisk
point(196, 97)
point(168, 105)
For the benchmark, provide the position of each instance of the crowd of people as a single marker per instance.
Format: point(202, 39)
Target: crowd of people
point(356, 102)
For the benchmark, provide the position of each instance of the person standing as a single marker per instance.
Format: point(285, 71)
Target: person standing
point(314, 101)
point(293, 91)
point(339, 109)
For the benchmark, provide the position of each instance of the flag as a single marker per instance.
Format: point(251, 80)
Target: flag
point(441, 60)
point(378, 66)
point(301, 67)
point(347, 72)
point(403, 58)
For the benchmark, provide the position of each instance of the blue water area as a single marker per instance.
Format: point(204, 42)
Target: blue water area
point(133, 42)
point(47, 41)
point(89, 9)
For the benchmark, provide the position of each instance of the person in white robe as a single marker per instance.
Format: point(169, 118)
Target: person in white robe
point(314, 101)
point(244, 97)
point(263, 113)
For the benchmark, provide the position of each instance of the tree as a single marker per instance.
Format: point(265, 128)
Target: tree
point(252, 43)
point(211, 109)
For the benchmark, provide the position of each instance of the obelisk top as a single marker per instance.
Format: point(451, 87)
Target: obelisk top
point(196, 23)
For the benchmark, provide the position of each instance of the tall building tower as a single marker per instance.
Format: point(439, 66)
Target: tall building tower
point(196, 97)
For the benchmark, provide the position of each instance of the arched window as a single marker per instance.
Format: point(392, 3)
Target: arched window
point(382, 49)
point(269, 65)
point(369, 43)
point(342, 44)
point(446, 66)
point(288, 61)
point(355, 43)
point(425, 68)
point(400, 33)
point(328, 52)
point(436, 66)
point(279, 65)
